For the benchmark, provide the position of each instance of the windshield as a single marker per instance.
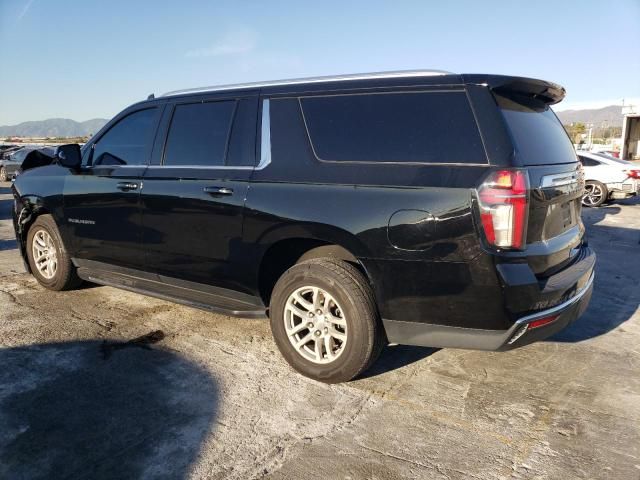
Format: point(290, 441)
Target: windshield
point(19, 155)
point(539, 137)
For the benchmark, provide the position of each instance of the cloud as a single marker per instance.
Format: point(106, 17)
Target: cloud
point(233, 43)
point(26, 8)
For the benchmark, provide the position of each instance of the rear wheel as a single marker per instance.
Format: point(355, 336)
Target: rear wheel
point(595, 194)
point(49, 261)
point(324, 320)
point(3, 174)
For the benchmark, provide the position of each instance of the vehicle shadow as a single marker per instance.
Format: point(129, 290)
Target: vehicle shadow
point(394, 357)
point(8, 244)
point(616, 295)
point(6, 203)
point(101, 410)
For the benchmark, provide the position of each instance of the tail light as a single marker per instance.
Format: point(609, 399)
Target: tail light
point(633, 173)
point(504, 205)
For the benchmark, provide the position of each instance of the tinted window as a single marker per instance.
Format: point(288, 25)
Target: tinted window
point(128, 142)
point(539, 137)
point(242, 144)
point(199, 134)
point(588, 162)
point(421, 127)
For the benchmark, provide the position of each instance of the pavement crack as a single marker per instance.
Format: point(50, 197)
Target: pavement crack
point(429, 466)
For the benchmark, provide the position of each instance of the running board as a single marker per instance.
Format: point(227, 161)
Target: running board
point(204, 297)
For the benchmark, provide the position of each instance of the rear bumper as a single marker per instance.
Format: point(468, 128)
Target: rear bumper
point(624, 189)
point(441, 336)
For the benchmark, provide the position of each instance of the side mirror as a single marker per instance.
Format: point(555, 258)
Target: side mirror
point(69, 156)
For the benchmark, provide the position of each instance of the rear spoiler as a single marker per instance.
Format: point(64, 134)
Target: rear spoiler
point(548, 92)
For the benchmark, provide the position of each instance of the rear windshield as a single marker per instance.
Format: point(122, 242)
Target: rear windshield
point(540, 138)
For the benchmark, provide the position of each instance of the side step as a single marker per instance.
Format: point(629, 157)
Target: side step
point(192, 294)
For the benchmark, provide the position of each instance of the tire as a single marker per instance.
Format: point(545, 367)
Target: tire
point(3, 174)
point(46, 236)
point(344, 296)
point(595, 194)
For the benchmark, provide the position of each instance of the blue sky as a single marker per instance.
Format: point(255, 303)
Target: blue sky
point(82, 60)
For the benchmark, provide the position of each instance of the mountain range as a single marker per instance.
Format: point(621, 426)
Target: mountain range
point(53, 127)
point(610, 116)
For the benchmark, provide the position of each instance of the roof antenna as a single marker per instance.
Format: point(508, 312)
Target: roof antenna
point(151, 97)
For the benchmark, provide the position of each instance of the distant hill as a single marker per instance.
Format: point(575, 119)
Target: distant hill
point(611, 115)
point(53, 127)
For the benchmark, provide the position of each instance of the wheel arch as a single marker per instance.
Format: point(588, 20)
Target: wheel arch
point(286, 252)
point(30, 208)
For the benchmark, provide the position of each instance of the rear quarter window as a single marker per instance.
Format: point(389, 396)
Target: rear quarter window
point(413, 127)
point(588, 162)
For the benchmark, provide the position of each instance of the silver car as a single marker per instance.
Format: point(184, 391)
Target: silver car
point(608, 178)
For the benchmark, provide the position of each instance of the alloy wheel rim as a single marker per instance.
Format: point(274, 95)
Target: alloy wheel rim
point(45, 255)
point(315, 324)
point(592, 194)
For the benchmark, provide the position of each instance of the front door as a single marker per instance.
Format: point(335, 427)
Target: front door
point(102, 201)
point(193, 200)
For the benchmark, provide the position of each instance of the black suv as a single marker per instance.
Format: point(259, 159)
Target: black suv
point(421, 208)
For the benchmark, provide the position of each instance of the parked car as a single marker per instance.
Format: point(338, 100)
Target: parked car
point(10, 163)
point(8, 151)
point(6, 148)
point(608, 178)
point(420, 208)
point(609, 153)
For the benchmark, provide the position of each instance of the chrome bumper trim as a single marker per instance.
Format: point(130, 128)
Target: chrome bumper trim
point(558, 308)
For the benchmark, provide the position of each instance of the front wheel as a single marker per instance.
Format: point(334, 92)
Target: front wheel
point(595, 194)
point(324, 320)
point(49, 260)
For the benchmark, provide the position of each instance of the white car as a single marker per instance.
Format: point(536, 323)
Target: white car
point(607, 178)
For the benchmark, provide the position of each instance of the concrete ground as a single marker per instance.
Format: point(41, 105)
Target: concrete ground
point(90, 389)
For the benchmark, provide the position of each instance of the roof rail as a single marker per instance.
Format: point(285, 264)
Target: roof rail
point(297, 81)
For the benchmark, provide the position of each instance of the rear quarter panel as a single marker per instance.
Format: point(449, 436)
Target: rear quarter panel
point(351, 204)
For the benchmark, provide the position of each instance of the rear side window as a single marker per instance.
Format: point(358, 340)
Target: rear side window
point(588, 162)
point(129, 141)
point(539, 137)
point(416, 127)
point(199, 134)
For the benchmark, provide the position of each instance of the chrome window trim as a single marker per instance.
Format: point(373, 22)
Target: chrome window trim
point(265, 136)
point(139, 165)
point(299, 81)
point(202, 167)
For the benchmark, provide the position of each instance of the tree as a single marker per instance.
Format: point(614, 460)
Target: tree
point(575, 131)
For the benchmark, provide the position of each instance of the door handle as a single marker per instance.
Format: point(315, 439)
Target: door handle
point(218, 190)
point(125, 186)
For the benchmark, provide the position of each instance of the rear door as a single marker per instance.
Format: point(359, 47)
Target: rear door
point(102, 200)
point(194, 193)
point(542, 146)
